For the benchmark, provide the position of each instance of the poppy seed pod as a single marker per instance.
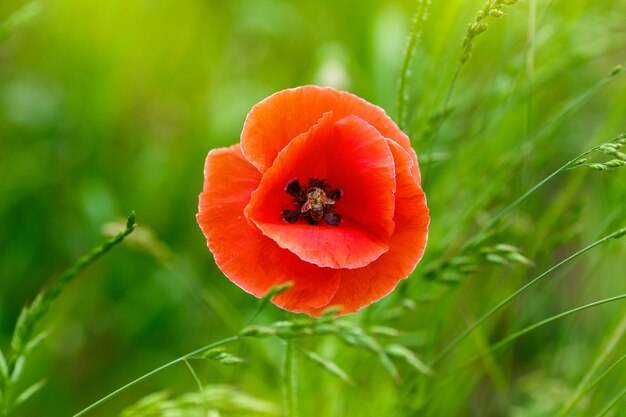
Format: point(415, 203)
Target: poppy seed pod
point(323, 190)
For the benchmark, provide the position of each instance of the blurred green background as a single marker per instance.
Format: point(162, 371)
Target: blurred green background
point(112, 106)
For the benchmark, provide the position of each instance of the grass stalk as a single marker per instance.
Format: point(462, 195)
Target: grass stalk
point(183, 358)
point(508, 339)
point(546, 127)
point(24, 335)
point(612, 403)
point(262, 303)
point(584, 387)
point(416, 30)
point(194, 375)
point(615, 235)
point(289, 380)
point(491, 8)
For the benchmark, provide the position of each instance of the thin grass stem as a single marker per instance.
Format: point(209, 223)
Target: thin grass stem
point(416, 30)
point(289, 381)
point(24, 335)
point(155, 371)
point(615, 235)
point(584, 387)
point(194, 375)
point(573, 104)
point(541, 323)
point(595, 383)
point(508, 339)
point(88, 259)
point(612, 403)
point(576, 162)
point(540, 184)
point(262, 303)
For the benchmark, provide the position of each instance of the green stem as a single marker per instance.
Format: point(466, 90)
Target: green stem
point(273, 291)
point(416, 30)
point(591, 386)
point(87, 260)
point(524, 196)
point(583, 387)
point(19, 19)
point(32, 315)
point(157, 370)
point(576, 102)
point(572, 164)
point(440, 122)
point(470, 329)
point(528, 329)
point(541, 323)
point(194, 375)
point(289, 382)
point(612, 403)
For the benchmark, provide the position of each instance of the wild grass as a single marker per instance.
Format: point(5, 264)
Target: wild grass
point(516, 310)
point(25, 335)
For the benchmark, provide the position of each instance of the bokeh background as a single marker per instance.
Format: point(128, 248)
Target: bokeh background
point(112, 106)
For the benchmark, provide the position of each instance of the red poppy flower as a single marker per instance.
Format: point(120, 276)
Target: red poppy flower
point(324, 191)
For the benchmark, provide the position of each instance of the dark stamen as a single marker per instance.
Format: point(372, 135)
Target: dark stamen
point(332, 219)
point(314, 202)
point(294, 189)
point(291, 216)
point(336, 194)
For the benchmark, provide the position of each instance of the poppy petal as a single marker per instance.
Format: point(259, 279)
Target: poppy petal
point(247, 257)
point(352, 155)
point(277, 120)
point(363, 286)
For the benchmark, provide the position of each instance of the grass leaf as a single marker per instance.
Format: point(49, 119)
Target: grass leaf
point(223, 357)
point(401, 352)
point(35, 341)
point(4, 370)
point(29, 392)
point(328, 365)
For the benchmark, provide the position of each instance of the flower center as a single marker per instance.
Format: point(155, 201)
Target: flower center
point(314, 202)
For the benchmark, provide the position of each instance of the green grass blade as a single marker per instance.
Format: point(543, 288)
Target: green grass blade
point(416, 29)
point(584, 387)
point(328, 366)
point(520, 333)
point(289, 380)
point(615, 235)
point(155, 371)
point(612, 403)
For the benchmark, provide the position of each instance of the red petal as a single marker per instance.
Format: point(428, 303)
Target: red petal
point(363, 286)
point(248, 258)
point(278, 119)
point(351, 155)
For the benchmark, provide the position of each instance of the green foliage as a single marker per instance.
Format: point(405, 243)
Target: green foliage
point(108, 104)
point(328, 366)
point(25, 338)
point(221, 356)
point(19, 18)
point(214, 400)
point(491, 8)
